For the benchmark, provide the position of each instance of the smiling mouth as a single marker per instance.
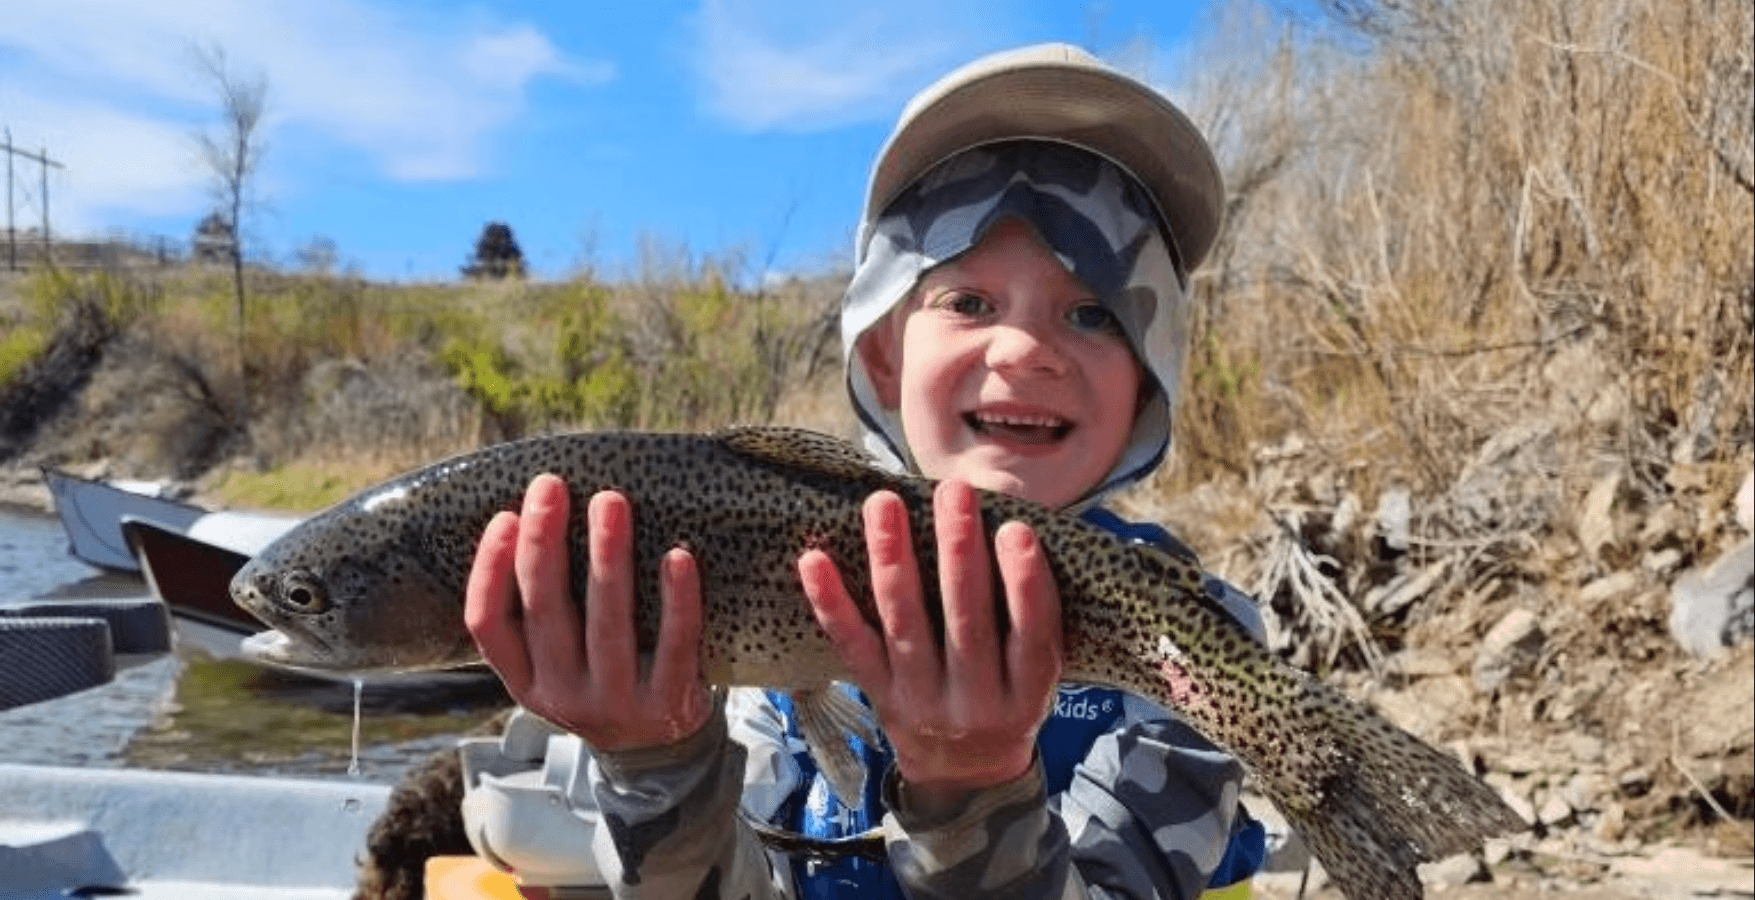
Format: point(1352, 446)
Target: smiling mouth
point(1023, 429)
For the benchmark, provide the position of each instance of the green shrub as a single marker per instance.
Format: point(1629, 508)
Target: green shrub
point(21, 345)
point(486, 372)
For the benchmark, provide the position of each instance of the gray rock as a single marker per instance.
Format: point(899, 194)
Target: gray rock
point(1554, 811)
point(1451, 871)
point(1662, 561)
point(1510, 648)
point(1583, 790)
point(1395, 514)
point(1519, 803)
point(1714, 608)
point(1608, 588)
point(1596, 521)
point(1585, 748)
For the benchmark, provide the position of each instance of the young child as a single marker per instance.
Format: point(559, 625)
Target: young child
point(1015, 322)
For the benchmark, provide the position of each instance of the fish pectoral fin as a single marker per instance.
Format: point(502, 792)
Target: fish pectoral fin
point(799, 448)
point(826, 717)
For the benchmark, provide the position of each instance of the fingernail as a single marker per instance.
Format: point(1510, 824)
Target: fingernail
point(1016, 537)
point(955, 493)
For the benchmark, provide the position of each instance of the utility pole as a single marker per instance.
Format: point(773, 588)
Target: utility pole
point(43, 163)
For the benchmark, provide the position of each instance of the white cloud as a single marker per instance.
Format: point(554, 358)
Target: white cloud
point(805, 66)
point(110, 87)
point(510, 58)
point(113, 161)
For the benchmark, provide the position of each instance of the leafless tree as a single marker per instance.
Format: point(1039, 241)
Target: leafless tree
point(233, 152)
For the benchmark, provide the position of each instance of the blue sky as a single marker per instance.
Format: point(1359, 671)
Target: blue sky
point(732, 129)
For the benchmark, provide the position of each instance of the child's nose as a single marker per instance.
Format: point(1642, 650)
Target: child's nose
point(1025, 348)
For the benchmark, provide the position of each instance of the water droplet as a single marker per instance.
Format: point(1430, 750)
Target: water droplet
point(353, 764)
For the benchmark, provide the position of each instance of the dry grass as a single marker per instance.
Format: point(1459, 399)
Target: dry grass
point(1497, 212)
point(351, 380)
point(1492, 254)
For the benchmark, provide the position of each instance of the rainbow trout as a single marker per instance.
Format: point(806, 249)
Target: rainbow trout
point(376, 583)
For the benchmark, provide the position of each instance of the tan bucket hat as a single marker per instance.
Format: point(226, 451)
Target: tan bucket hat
point(1059, 92)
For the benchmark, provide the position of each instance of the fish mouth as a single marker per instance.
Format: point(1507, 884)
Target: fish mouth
point(281, 648)
point(278, 648)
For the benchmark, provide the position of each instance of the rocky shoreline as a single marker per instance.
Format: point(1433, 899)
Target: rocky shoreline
point(23, 487)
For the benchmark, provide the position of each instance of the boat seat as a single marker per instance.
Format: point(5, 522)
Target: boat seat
point(52, 656)
point(137, 624)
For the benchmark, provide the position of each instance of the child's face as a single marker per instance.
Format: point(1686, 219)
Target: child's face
point(1007, 372)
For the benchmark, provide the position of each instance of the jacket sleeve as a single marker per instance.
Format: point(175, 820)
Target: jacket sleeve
point(669, 822)
point(1149, 814)
point(1003, 842)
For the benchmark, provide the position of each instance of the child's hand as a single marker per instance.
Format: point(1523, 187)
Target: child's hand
point(519, 610)
point(965, 718)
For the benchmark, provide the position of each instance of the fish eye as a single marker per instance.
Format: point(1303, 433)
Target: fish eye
point(303, 592)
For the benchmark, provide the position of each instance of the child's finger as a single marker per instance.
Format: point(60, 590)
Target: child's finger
point(609, 597)
point(551, 620)
point(490, 603)
point(911, 649)
point(972, 659)
point(859, 645)
point(676, 669)
point(1033, 649)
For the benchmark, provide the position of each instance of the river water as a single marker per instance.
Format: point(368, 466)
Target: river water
point(33, 556)
point(183, 710)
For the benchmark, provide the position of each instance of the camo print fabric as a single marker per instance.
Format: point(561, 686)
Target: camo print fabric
point(1148, 814)
point(1147, 808)
point(1099, 223)
point(668, 824)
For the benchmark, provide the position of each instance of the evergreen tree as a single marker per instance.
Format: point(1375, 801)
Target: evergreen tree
point(496, 254)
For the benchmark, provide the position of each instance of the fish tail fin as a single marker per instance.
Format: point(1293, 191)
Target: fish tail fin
point(1389, 801)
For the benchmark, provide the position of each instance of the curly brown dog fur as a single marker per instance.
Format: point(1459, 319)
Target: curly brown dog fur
point(423, 818)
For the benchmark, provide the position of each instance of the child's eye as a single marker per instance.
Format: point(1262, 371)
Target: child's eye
point(963, 304)
point(1093, 317)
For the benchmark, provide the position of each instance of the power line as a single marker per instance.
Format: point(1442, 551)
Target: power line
point(43, 163)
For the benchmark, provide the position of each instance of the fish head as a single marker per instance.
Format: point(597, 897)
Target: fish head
point(339, 603)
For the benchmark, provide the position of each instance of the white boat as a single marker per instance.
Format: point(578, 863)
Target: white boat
point(91, 512)
point(186, 553)
point(192, 577)
point(153, 835)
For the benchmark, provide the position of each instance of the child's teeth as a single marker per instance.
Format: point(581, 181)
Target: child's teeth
point(1041, 421)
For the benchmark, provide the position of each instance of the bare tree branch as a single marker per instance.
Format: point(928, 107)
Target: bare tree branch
point(233, 151)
